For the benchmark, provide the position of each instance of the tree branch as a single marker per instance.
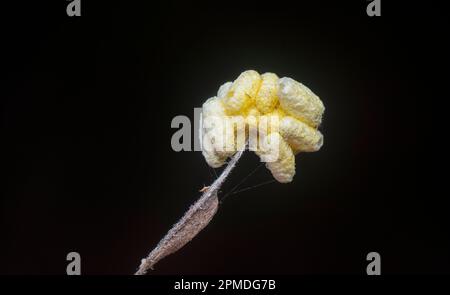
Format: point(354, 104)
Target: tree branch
point(194, 220)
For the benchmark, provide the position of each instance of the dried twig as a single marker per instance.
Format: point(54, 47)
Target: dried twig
point(193, 221)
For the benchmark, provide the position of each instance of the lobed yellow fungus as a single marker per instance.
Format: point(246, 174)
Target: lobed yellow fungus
point(285, 113)
point(242, 92)
point(267, 96)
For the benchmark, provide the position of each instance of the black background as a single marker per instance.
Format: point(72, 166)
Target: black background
point(87, 105)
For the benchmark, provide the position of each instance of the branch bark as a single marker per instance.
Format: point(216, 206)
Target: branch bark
point(194, 220)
